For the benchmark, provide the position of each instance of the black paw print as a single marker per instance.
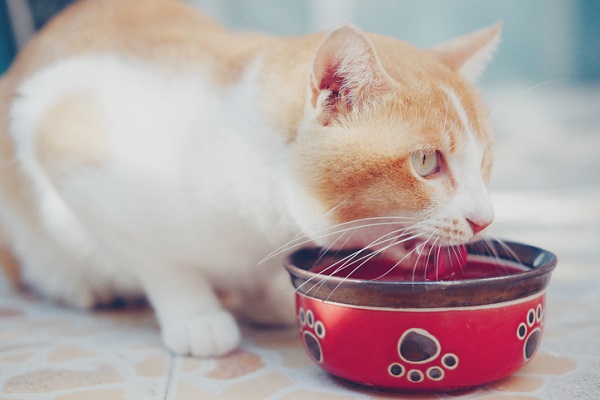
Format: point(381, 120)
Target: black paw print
point(416, 347)
point(530, 331)
point(312, 331)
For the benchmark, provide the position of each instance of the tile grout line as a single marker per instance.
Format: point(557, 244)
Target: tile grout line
point(173, 362)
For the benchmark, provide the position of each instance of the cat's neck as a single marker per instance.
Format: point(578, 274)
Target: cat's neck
point(283, 81)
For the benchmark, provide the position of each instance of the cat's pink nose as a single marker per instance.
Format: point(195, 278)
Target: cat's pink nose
point(478, 226)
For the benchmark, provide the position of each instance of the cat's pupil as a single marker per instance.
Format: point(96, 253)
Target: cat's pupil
point(424, 162)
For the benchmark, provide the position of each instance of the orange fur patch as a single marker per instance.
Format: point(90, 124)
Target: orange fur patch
point(72, 133)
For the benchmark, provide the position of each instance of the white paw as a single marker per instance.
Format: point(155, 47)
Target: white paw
point(213, 333)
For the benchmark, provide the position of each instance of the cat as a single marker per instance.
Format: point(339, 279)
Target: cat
point(146, 150)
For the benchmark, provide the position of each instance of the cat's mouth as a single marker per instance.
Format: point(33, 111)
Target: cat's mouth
point(417, 246)
point(431, 259)
point(407, 250)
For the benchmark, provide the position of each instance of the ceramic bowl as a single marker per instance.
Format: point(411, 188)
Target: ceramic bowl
point(424, 335)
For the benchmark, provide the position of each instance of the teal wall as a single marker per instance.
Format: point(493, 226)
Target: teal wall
point(587, 48)
point(7, 44)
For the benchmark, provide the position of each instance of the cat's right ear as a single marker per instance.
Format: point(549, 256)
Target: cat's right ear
point(346, 75)
point(470, 54)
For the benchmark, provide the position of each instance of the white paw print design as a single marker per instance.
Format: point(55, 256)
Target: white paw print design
point(530, 331)
point(417, 347)
point(312, 331)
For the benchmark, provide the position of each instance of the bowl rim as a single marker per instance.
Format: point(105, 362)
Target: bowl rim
point(539, 264)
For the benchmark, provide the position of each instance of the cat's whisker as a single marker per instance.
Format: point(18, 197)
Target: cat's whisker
point(490, 248)
point(450, 252)
point(510, 252)
point(347, 261)
point(461, 257)
point(402, 233)
point(399, 234)
point(320, 217)
point(422, 246)
point(299, 236)
point(436, 259)
point(435, 250)
point(328, 249)
point(302, 239)
point(326, 271)
point(351, 259)
point(333, 230)
point(364, 261)
point(398, 262)
point(509, 100)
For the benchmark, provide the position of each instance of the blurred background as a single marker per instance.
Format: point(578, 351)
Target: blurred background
point(543, 39)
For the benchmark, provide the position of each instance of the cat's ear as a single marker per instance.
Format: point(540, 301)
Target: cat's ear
point(470, 54)
point(346, 74)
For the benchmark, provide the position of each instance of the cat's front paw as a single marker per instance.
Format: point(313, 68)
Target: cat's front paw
point(212, 333)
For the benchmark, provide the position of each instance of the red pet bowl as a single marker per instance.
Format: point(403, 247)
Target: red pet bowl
point(386, 328)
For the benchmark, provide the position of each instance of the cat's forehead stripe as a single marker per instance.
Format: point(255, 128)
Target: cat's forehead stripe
point(459, 109)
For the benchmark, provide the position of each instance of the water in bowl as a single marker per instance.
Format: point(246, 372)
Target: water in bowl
point(447, 265)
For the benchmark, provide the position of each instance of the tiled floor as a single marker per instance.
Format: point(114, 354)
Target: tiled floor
point(547, 192)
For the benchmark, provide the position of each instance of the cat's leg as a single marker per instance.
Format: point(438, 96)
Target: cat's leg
point(191, 317)
point(270, 301)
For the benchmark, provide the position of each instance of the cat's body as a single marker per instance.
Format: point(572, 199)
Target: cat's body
point(146, 150)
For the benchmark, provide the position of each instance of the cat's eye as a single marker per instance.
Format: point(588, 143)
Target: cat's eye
point(424, 162)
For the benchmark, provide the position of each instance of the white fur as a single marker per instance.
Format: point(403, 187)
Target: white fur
point(460, 111)
point(471, 200)
point(192, 173)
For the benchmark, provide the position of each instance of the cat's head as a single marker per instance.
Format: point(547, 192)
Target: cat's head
point(394, 146)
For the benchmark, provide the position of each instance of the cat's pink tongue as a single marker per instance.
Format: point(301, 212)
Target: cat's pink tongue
point(442, 262)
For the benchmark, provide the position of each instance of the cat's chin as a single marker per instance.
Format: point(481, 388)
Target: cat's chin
point(404, 255)
point(419, 255)
point(433, 262)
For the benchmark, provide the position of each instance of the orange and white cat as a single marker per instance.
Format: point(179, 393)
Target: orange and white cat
point(146, 150)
